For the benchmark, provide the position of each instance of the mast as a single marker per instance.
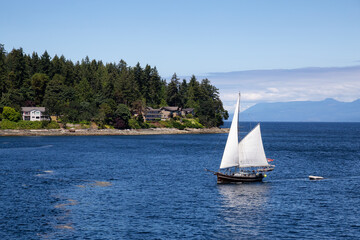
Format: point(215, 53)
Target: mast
point(239, 116)
point(239, 165)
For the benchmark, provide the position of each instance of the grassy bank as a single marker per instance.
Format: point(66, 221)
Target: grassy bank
point(179, 124)
point(20, 125)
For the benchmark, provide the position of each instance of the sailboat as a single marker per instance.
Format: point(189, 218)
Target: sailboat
point(243, 161)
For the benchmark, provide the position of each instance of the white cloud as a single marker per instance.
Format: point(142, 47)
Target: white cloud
point(282, 85)
point(253, 96)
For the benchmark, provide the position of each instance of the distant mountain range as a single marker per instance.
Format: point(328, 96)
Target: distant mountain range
point(328, 110)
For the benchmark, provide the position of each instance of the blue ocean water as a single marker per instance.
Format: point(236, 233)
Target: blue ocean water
point(155, 187)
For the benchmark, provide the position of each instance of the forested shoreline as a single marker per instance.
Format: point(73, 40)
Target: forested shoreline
point(104, 93)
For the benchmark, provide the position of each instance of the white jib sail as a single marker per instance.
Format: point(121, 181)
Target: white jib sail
point(251, 150)
point(231, 153)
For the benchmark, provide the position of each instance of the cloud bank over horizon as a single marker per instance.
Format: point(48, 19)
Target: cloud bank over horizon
point(284, 85)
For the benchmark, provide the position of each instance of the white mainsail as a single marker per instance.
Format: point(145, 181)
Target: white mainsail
point(251, 150)
point(231, 153)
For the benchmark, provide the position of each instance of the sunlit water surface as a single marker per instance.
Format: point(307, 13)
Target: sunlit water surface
point(155, 187)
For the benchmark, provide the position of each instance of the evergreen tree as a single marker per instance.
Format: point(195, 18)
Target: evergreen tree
point(145, 88)
point(54, 99)
point(156, 89)
point(122, 116)
point(131, 89)
point(108, 86)
point(139, 78)
point(121, 66)
point(38, 83)
point(56, 66)
point(45, 64)
point(126, 87)
point(91, 90)
point(193, 94)
point(35, 64)
point(102, 79)
point(93, 77)
point(28, 94)
point(173, 97)
point(16, 68)
point(13, 98)
point(3, 69)
point(84, 91)
point(28, 70)
point(211, 111)
point(182, 93)
point(105, 115)
point(68, 71)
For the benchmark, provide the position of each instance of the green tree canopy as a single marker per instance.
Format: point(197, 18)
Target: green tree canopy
point(45, 64)
point(91, 90)
point(173, 96)
point(3, 70)
point(11, 114)
point(39, 82)
point(54, 99)
point(122, 116)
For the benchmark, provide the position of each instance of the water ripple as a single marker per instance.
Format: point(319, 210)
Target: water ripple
point(154, 187)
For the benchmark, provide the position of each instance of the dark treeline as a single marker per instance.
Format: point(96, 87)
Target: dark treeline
point(94, 91)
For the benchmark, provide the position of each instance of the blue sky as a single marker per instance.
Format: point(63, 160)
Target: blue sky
point(201, 37)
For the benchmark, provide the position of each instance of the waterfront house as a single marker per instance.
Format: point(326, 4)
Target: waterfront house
point(170, 112)
point(152, 114)
point(165, 113)
point(185, 111)
point(34, 114)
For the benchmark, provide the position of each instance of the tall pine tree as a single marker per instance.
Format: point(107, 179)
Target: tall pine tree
point(173, 96)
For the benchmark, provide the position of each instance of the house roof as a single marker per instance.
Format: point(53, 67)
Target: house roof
point(28, 109)
point(152, 109)
point(171, 108)
point(188, 109)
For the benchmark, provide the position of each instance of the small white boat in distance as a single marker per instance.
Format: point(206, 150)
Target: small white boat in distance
point(315, 178)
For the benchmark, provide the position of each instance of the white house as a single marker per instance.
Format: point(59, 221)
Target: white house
point(34, 114)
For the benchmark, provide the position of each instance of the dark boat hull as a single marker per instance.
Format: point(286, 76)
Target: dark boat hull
point(224, 178)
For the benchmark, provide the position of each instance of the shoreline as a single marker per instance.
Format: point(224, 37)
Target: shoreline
point(109, 132)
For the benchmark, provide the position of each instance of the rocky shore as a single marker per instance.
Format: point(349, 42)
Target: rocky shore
point(109, 132)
